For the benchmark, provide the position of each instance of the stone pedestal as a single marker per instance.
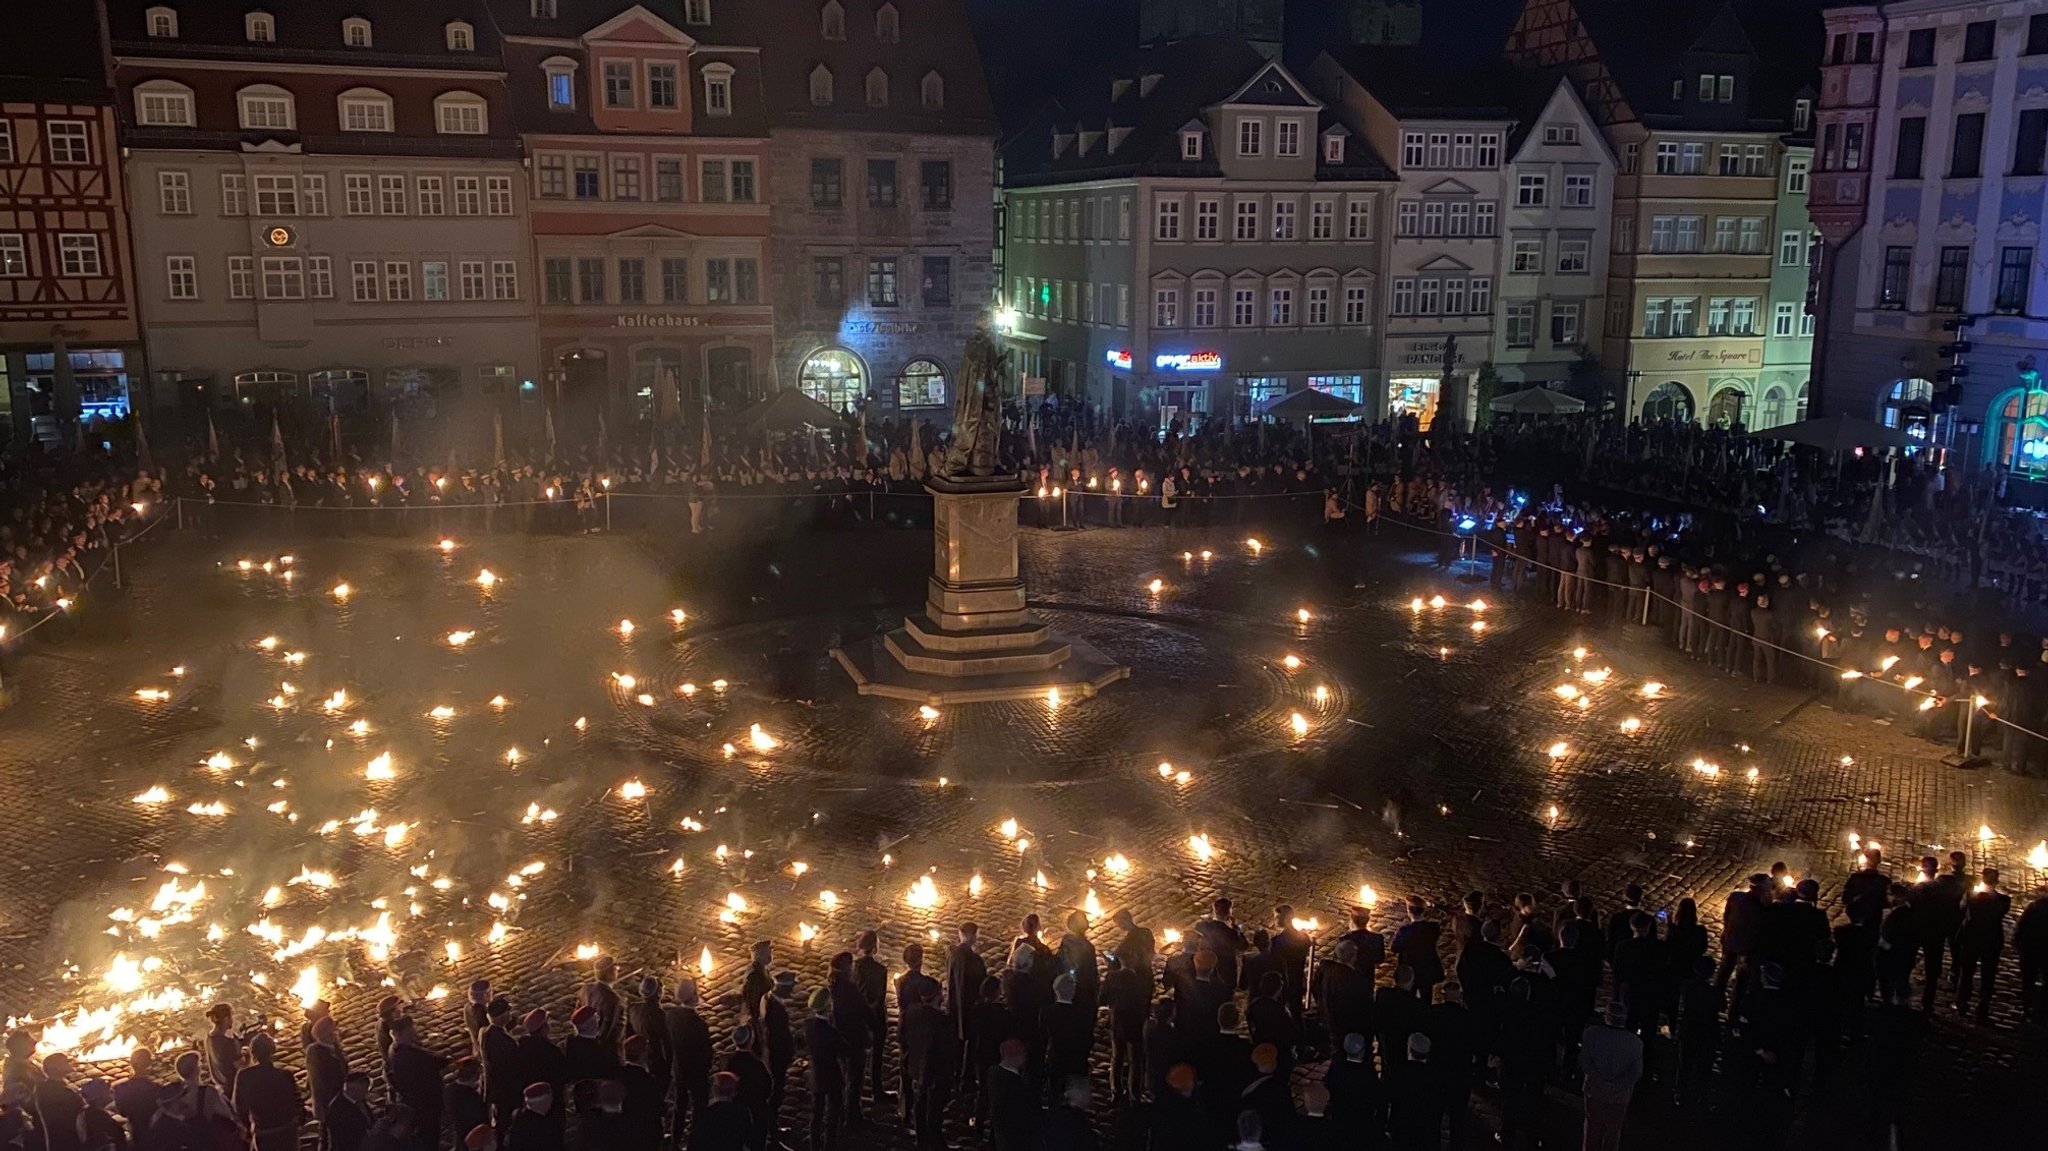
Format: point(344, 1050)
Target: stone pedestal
point(975, 639)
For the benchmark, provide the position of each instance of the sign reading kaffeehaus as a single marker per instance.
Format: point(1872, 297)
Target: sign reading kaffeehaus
point(1705, 354)
point(655, 320)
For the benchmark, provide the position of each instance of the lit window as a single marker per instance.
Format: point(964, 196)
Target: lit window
point(355, 32)
point(561, 78)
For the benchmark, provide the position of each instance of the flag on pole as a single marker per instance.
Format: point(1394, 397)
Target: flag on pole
point(551, 432)
point(394, 436)
point(603, 439)
point(276, 444)
point(142, 457)
point(654, 451)
point(498, 438)
point(333, 432)
point(212, 438)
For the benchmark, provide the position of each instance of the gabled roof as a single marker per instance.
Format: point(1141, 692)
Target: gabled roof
point(1194, 75)
point(1645, 47)
point(64, 62)
point(1413, 85)
point(403, 33)
point(650, 25)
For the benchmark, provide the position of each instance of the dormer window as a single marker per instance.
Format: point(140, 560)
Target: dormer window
point(718, 89)
point(696, 11)
point(932, 92)
point(561, 79)
point(878, 89)
point(461, 37)
point(1802, 115)
point(821, 86)
point(266, 107)
point(259, 28)
point(1333, 149)
point(542, 9)
point(888, 27)
point(1191, 144)
point(163, 23)
point(832, 21)
point(355, 32)
point(364, 110)
point(461, 114)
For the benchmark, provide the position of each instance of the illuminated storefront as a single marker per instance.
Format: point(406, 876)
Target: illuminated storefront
point(921, 384)
point(835, 378)
point(1414, 396)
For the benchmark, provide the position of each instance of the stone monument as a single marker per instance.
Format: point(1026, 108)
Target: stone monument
point(975, 640)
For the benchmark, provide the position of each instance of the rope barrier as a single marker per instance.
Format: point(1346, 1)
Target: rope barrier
point(1876, 677)
point(105, 559)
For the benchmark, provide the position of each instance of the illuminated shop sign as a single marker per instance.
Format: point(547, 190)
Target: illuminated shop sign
point(1119, 358)
point(1188, 361)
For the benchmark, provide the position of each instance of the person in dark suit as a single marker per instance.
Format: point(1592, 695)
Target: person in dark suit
point(1126, 997)
point(965, 973)
point(826, 1077)
point(1415, 947)
point(462, 1103)
point(541, 1062)
point(725, 1124)
point(1178, 1118)
point(647, 1020)
point(871, 975)
point(135, 1098)
point(1219, 935)
point(267, 1099)
point(1067, 1126)
point(755, 1092)
point(504, 1079)
point(1014, 1119)
point(850, 1014)
point(1980, 942)
point(925, 1036)
point(993, 1026)
point(690, 1056)
point(414, 1075)
point(646, 1092)
point(534, 1127)
point(1268, 1019)
point(1289, 950)
point(349, 1118)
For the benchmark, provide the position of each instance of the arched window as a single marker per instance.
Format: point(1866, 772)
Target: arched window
point(933, 92)
point(1800, 412)
point(832, 21)
point(461, 114)
point(834, 377)
point(888, 28)
point(1725, 407)
point(355, 32)
point(1668, 401)
point(718, 89)
point(259, 28)
point(1770, 412)
point(162, 23)
point(342, 387)
point(821, 86)
point(267, 386)
point(266, 107)
point(1909, 406)
point(163, 104)
point(878, 89)
point(2018, 435)
point(921, 384)
point(461, 37)
point(364, 110)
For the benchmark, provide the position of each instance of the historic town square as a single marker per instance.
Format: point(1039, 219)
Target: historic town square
point(1154, 575)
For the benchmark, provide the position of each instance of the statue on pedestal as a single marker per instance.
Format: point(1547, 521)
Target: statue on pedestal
point(977, 412)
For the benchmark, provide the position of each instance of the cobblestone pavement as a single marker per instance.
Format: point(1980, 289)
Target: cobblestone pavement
point(1435, 759)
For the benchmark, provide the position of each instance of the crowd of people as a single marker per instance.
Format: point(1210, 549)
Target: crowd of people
point(1242, 1036)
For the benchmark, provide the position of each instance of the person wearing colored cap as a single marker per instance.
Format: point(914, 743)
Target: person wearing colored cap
point(536, 1127)
point(267, 1099)
point(1178, 1118)
point(690, 1056)
point(725, 1124)
point(98, 1129)
point(540, 1061)
point(601, 995)
point(646, 1019)
point(1013, 1114)
point(1610, 1065)
point(476, 1015)
point(349, 1118)
point(646, 1094)
point(585, 1051)
point(1268, 1096)
point(462, 1100)
point(756, 1093)
point(414, 1075)
point(480, 1138)
point(390, 1010)
point(326, 1065)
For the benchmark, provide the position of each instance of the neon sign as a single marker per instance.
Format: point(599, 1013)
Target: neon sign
point(1119, 358)
point(1188, 361)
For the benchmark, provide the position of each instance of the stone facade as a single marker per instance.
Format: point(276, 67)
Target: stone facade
point(882, 261)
